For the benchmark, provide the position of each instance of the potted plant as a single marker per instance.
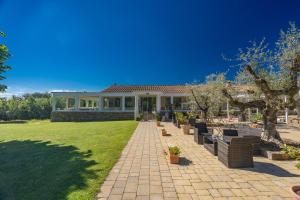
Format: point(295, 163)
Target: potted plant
point(192, 118)
point(255, 119)
point(186, 128)
point(164, 132)
point(296, 192)
point(158, 119)
point(174, 154)
point(181, 119)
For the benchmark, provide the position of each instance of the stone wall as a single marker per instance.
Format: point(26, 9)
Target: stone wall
point(78, 116)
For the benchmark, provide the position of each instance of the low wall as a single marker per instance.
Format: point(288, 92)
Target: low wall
point(78, 116)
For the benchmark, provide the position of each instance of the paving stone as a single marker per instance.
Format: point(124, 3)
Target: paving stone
point(154, 189)
point(129, 196)
point(143, 190)
point(144, 172)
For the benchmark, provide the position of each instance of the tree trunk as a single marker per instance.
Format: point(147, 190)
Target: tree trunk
point(270, 133)
point(242, 115)
point(205, 115)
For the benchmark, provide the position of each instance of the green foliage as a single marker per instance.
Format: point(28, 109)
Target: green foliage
point(35, 106)
point(257, 117)
point(274, 65)
point(298, 165)
point(158, 116)
point(180, 117)
point(208, 97)
point(66, 160)
point(292, 152)
point(192, 114)
point(140, 117)
point(174, 150)
point(4, 55)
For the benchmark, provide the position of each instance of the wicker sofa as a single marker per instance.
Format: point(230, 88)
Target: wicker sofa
point(236, 152)
point(200, 131)
point(230, 132)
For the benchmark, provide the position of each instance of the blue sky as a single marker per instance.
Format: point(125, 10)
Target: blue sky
point(88, 45)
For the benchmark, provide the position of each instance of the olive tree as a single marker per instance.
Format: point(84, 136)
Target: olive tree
point(273, 73)
point(207, 96)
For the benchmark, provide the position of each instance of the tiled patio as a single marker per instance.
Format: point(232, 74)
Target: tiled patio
point(143, 172)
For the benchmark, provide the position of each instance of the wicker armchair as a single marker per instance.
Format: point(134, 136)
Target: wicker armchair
point(235, 153)
point(200, 131)
point(255, 141)
point(211, 144)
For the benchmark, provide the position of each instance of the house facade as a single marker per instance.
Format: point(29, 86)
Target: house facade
point(119, 102)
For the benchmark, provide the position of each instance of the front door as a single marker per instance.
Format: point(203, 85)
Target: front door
point(148, 107)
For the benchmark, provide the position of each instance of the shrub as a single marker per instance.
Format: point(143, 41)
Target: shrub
point(292, 152)
point(158, 116)
point(140, 117)
point(298, 166)
point(180, 117)
point(192, 115)
point(174, 150)
point(255, 118)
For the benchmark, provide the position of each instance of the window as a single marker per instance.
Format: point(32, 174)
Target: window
point(165, 103)
point(129, 103)
point(180, 103)
point(112, 103)
point(88, 103)
point(82, 103)
point(71, 103)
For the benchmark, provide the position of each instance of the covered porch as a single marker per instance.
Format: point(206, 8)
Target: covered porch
point(136, 103)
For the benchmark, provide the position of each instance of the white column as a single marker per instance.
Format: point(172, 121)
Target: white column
point(53, 102)
point(158, 104)
point(286, 112)
point(100, 103)
point(136, 106)
point(123, 103)
point(227, 109)
point(67, 103)
point(86, 103)
point(257, 111)
point(77, 102)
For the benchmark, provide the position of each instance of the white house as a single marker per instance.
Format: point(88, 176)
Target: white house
point(119, 102)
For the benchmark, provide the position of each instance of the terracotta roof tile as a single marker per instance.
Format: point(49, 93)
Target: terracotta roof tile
point(151, 88)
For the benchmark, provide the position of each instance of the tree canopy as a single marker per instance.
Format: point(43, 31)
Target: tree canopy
point(207, 97)
point(273, 73)
point(4, 55)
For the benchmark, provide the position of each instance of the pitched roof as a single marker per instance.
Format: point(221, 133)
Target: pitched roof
point(151, 88)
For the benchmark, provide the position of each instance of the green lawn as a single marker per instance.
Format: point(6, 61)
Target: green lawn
point(67, 160)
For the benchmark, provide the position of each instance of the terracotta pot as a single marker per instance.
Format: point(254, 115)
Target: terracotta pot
point(164, 132)
point(296, 192)
point(174, 159)
point(186, 129)
point(157, 123)
point(254, 125)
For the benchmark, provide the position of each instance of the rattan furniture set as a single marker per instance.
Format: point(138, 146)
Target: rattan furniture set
point(232, 150)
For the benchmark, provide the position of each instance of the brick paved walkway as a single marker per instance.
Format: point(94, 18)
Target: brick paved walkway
point(143, 172)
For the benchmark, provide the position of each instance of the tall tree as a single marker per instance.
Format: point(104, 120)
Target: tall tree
point(4, 55)
point(208, 97)
point(274, 75)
